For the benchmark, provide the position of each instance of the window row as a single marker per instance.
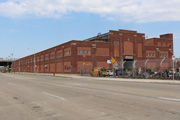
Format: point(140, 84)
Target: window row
point(84, 52)
point(150, 55)
point(67, 68)
point(153, 55)
point(67, 53)
point(163, 55)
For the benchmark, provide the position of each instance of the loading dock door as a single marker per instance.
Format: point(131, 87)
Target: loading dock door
point(128, 65)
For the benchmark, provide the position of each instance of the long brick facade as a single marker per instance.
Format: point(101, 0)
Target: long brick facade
point(94, 52)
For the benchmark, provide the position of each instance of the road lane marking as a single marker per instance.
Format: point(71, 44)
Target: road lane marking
point(53, 95)
point(171, 99)
point(131, 88)
point(138, 89)
point(85, 88)
point(12, 84)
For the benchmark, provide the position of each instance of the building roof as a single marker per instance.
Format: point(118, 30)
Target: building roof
point(99, 36)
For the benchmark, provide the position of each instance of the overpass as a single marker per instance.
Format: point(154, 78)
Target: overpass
point(6, 62)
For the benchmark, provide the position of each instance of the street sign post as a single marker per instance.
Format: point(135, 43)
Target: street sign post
point(173, 58)
point(113, 60)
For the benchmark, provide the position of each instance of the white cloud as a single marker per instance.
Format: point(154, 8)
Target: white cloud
point(125, 10)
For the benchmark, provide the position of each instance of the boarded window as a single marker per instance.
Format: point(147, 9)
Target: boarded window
point(128, 48)
point(139, 49)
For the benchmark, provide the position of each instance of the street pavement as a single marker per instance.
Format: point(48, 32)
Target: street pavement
point(33, 97)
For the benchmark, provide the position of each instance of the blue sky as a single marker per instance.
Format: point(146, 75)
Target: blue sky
point(47, 23)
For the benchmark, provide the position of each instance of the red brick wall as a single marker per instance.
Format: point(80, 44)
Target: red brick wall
point(116, 50)
point(149, 42)
point(151, 65)
point(52, 67)
point(103, 51)
point(103, 64)
point(87, 65)
point(59, 67)
point(140, 50)
point(128, 48)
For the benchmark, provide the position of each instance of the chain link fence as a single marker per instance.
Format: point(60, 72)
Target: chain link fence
point(149, 69)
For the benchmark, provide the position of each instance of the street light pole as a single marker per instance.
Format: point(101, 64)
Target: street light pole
point(34, 60)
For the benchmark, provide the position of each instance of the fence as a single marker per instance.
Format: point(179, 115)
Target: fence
point(150, 68)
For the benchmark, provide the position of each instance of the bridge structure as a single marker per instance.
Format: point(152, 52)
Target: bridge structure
point(6, 63)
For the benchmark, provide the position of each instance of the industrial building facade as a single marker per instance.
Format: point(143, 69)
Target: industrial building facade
point(70, 57)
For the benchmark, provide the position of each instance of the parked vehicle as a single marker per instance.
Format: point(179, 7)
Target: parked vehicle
point(109, 73)
point(146, 75)
point(4, 71)
point(98, 72)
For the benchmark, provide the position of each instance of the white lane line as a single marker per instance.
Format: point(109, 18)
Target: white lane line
point(171, 99)
point(53, 95)
point(12, 84)
point(100, 90)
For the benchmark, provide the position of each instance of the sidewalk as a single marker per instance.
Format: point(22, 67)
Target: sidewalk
point(141, 80)
point(123, 79)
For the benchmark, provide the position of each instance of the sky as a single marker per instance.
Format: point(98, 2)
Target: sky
point(42, 24)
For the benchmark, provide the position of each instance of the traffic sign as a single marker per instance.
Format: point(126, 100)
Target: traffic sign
point(113, 60)
point(173, 57)
point(108, 61)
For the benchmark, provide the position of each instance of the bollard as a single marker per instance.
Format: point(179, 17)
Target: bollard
point(53, 74)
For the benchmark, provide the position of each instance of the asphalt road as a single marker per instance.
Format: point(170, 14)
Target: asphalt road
point(29, 97)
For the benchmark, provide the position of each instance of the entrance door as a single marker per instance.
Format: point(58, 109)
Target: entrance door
point(128, 65)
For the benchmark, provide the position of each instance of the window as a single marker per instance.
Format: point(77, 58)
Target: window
point(84, 52)
point(46, 58)
point(88, 52)
point(147, 54)
point(150, 54)
point(67, 53)
point(153, 54)
point(79, 52)
point(161, 55)
point(42, 58)
point(52, 56)
point(166, 55)
point(116, 43)
point(59, 55)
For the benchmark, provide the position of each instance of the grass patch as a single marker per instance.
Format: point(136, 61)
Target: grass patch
point(42, 75)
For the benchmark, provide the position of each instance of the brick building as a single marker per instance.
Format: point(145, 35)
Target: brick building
point(123, 45)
